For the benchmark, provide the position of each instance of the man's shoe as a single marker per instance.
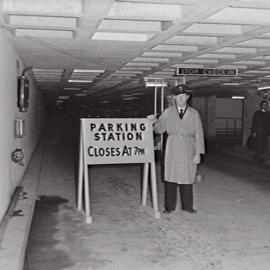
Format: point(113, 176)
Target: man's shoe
point(191, 211)
point(167, 211)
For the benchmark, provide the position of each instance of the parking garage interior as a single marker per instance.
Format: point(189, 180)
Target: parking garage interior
point(119, 59)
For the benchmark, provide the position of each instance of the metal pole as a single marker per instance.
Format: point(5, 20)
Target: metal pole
point(155, 100)
point(161, 110)
point(162, 99)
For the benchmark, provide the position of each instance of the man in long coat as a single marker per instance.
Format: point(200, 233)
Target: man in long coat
point(184, 145)
point(260, 126)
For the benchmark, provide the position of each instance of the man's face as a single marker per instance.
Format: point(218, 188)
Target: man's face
point(264, 106)
point(181, 100)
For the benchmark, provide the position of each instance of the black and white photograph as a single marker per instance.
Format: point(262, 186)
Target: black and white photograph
point(135, 135)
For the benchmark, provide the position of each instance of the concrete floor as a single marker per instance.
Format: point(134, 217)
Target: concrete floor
point(230, 231)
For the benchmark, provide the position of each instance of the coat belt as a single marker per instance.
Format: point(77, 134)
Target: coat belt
point(188, 135)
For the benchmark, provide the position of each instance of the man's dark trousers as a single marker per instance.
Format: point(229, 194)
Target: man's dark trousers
point(186, 196)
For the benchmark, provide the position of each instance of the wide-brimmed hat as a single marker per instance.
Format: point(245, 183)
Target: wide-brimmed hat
point(181, 89)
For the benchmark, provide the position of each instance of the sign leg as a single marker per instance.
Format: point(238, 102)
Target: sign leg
point(87, 195)
point(145, 183)
point(154, 189)
point(80, 178)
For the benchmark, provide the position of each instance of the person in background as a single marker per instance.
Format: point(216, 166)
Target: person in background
point(184, 146)
point(260, 126)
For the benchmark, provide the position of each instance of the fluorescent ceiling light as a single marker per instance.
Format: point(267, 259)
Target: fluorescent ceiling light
point(238, 97)
point(43, 21)
point(142, 64)
point(130, 25)
point(256, 72)
point(231, 66)
point(124, 74)
point(88, 70)
point(231, 83)
point(81, 95)
point(264, 88)
point(216, 29)
point(178, 48)
point(43, 70)
point(127, 95)
point(152, 59)
point(72, 88)
point(165, 73)
point(168, 69)
point(130, 98)
point(79, 81)
point(187, 66)
point(136, 68)
point(55, 75)
point(145, 10)
point(89, 91)
point(198, 40)
point(217, 56)
point(261, 43)
point(249, 15)
point(139, 37)
point(163, 54)
point(237, 50)
point(48, 6)
point(129, 71)
point(63, 97)
point(48, 79)
point(257, 63)
point(262, 57)
point(44, 33)
point(201, 61)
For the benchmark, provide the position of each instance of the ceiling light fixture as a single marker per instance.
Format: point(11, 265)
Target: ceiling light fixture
point(232, 84)
point(72, 88)
point(238, 97)
point(264, 88)
point(88, 70)
point(79, 81)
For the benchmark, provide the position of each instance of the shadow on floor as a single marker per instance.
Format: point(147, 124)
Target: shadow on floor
point(44, 227)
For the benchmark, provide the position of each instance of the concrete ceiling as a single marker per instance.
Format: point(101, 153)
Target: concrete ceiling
point(96, 53)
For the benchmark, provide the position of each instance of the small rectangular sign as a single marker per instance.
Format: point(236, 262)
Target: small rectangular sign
point(205, 72)
point(117, 140)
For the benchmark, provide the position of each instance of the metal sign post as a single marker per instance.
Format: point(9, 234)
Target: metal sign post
point(157, 82)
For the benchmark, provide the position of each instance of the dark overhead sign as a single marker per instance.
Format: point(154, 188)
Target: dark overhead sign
point(206, 72)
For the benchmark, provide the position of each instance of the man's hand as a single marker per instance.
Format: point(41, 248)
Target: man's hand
point(197, 159)
point(152, 118)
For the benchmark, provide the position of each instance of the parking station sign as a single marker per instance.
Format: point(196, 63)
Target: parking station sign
point(206, 72)
point(117, 140)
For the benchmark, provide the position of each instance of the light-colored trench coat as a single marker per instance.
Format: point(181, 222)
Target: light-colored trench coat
point(185, 139)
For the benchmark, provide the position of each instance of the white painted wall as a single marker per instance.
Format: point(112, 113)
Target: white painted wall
point(227, 107)
point(10, 172)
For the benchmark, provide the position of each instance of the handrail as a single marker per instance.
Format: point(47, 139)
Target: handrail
point(229, 129)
